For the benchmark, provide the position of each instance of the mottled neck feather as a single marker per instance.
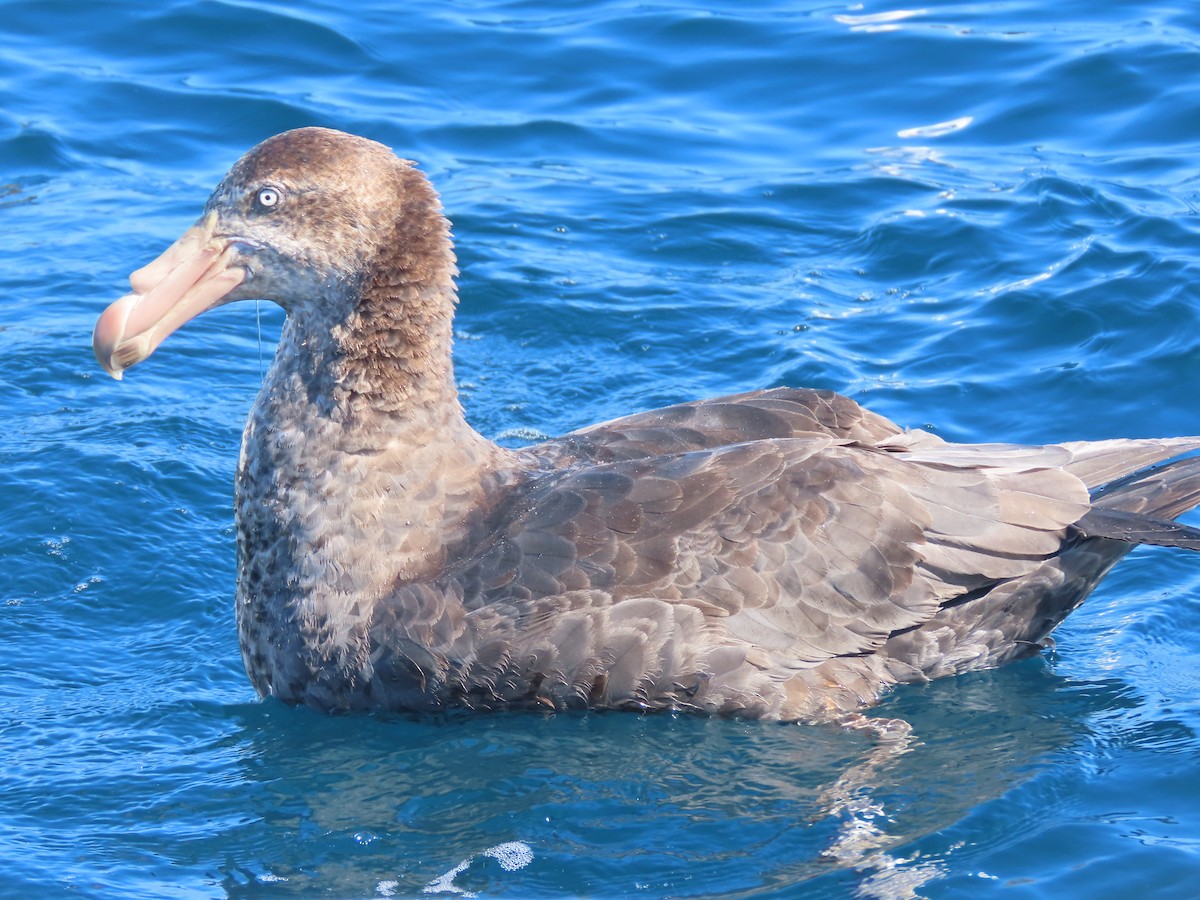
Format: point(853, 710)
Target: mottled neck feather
point(396, 343)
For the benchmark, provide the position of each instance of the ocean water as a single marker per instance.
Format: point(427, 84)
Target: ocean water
point(982, 218)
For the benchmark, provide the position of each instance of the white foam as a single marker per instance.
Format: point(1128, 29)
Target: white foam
point(512, 855)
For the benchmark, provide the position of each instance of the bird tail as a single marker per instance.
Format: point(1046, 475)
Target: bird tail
point(1140, 508)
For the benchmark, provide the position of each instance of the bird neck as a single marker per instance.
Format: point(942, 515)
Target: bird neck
point(353, 434)
point(394, 343)
point(393, 352)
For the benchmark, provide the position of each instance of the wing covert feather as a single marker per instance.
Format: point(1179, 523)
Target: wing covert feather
point(807, 547)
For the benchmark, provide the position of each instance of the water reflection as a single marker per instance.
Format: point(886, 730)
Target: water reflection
point(393, 806)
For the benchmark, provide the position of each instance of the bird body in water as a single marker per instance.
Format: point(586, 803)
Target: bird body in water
point(779, 554)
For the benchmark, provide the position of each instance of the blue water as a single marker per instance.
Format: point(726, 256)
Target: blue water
point(980, 218)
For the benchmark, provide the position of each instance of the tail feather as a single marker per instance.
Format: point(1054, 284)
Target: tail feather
point(1140, 508)
point(1135, 528)
point(1163, 492)
point(1102, 464)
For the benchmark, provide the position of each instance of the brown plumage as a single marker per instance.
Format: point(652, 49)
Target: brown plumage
point(781, 554)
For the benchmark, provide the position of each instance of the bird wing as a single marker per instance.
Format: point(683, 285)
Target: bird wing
point(703, 424)
point(804, 548)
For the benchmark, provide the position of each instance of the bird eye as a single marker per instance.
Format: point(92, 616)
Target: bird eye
point(268, 197)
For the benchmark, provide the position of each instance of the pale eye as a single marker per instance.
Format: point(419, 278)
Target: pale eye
point(268, 197)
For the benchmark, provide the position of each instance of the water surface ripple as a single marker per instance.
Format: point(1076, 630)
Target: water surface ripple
point(978, 218)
